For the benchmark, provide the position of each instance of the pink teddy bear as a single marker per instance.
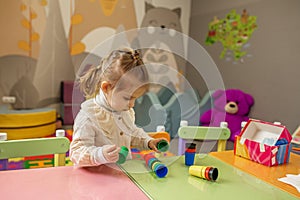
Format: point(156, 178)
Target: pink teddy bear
point(231, 106)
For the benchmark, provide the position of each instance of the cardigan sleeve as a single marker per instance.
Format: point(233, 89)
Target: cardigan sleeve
point(83, 151)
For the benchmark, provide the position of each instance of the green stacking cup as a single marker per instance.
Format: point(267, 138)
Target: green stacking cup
point(163, 146)
point(122, 155)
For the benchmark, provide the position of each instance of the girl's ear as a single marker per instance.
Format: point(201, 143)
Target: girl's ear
point(105, 86)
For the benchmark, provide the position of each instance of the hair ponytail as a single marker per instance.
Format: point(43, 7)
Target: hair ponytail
point(90, 81)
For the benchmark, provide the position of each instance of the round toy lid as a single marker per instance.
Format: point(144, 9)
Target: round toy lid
point(3, 136)
point(243, 124)
point(184, 123)
point(224, 124)
point(60, 133)
point(160, 128)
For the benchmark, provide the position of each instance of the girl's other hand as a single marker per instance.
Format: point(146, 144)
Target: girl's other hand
point(111, 153)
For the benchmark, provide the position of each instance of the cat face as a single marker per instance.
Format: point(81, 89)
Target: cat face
point(161, 25)
point(162, 17)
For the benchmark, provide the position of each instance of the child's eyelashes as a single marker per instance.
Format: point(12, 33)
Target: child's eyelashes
point(127, 98)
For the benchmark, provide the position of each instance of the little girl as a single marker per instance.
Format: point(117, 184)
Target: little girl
point(106, 120)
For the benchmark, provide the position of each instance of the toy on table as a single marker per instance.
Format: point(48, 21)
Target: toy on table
point(231, 106)
point(139, 154)
point(163, 146)
point(189, 153)
point(205, 172)
point(156, 166)
point(264, 142)
point(122, 155)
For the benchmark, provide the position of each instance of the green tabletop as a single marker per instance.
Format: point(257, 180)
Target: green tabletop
point(231, 184)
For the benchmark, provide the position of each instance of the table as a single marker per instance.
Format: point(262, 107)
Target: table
point(238, 179)
point(265, 173)
point(232, 182)
point(68, 183)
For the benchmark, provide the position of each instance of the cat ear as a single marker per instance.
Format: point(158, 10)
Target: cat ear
point(148, 6)
point(177, 11)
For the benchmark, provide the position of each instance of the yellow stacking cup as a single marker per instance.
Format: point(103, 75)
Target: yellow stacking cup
point(205, 172)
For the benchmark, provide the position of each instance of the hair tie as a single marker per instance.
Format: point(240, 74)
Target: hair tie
point(135, 55)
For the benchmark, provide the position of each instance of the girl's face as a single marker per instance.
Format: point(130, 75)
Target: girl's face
point(123, 100)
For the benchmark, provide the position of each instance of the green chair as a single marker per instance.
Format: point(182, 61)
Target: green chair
point(35, 147)
point(190, 133)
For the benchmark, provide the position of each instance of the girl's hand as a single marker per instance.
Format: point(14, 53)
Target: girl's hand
point(111, 153)
point(152, 144)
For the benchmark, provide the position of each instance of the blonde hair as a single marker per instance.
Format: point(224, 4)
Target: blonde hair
point(111, 68)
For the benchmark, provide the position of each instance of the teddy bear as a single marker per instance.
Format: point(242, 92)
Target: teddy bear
point(231, 106)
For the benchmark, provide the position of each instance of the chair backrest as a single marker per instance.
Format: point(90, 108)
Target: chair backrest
point(203, 133)
point(36, 146)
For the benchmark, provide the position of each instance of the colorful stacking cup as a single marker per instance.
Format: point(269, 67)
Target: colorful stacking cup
point(190, 152)
point(122, 155)
point(205, 172)
point(161, 171)
point(155, 165)
point(163, 146)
